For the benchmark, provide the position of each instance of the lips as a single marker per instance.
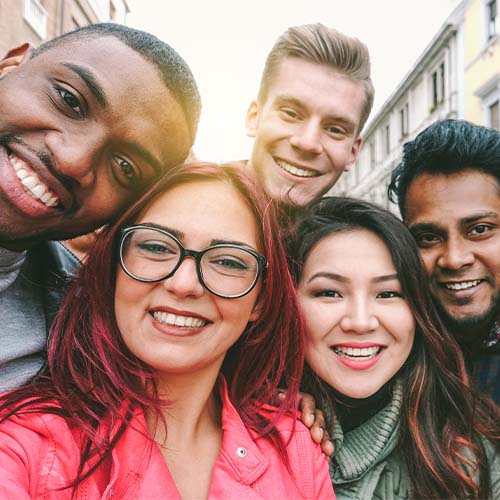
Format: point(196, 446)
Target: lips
point(28, 184)
point(360, 356)
point(357, 353)
point(455, 286)
point(296, 171)
point(32, 184)
point(168, 318)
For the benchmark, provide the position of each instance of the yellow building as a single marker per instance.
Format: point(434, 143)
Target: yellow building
point(481, 27)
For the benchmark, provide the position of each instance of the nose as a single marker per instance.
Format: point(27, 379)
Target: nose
point(358, 317)
point(457, 254)
point(307, 137)
point(185, 281)
point(77, 156)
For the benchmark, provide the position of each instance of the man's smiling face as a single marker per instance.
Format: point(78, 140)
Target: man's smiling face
point(85, 126)
point(455, 220)
point(306, 130)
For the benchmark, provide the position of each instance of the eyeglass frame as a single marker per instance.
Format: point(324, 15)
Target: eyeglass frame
point(262, 262)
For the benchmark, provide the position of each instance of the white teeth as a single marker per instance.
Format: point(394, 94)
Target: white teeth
point(21, 173)
point(299, 172)
point(174, 319)
point(358, 353)
point(463, 285)
point(32, 184)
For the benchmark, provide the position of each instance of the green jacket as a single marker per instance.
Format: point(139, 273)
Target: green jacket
point(366, 465)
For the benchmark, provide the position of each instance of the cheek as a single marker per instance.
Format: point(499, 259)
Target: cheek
point(429, 259)
point(128, 298)
point(319, 318)
point(403, 324)
point(237, 313)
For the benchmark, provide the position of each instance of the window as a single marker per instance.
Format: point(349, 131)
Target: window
point(491, 18)
point(101, 8)
point(404, 121)
point(437, 86)
point(494, 115)
point(387, 139)
point(373, 158)
point(36, 16)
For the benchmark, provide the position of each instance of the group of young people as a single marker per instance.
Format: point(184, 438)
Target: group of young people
point(214, 293)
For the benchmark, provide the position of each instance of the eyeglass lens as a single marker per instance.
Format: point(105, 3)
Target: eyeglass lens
point(152, 255)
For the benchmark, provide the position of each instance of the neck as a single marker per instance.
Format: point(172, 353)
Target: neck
point(353, 412)
point(192, 409)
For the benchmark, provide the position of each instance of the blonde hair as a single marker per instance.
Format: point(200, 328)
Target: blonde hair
point(322, 45)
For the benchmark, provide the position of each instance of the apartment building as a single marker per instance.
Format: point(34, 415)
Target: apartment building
point(456, 76)
point(38, 20)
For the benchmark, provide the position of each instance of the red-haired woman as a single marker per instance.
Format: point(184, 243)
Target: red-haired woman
point(389, 378)
point(177, 331)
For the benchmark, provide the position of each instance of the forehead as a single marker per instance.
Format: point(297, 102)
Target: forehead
point(448, 199)
point(355, 253)
point(208, 209)
point(139, 103)
point(318, 85)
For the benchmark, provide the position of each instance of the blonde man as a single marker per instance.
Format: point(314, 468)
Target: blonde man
point(314, 98)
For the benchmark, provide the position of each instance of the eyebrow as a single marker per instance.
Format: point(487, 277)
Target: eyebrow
point(424, 226)
point(429, 226)
point(90, 81)
point(230, 242)
point(180, 235)
point(344, 279)
point(479, 216)
point(139, 150)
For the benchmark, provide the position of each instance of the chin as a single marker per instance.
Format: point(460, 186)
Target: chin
point(360, 393)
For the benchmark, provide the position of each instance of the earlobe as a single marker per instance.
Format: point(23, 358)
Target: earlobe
point(15, 57)
point(252, 119)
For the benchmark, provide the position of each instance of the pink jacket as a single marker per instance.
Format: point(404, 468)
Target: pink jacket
point(39, 453)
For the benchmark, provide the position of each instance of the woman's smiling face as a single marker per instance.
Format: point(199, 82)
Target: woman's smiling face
point(360, 330)
point(176, 325)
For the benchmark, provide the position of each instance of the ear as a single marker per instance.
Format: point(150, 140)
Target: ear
point(252, 119)
point(354, 153)
point(15, 57)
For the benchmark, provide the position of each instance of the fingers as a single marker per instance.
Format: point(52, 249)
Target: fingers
point(327, 446)
point(307, 408)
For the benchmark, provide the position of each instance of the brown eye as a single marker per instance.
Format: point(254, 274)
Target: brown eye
point(70, 100)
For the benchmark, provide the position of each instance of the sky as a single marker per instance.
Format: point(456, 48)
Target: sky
point(225, 43)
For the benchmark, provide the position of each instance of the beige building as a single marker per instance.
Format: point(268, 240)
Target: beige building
point(457, 76)
point(38, 20)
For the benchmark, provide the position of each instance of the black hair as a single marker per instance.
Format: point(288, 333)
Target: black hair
point(446, 147)
point(173, 70)
point(442, 422)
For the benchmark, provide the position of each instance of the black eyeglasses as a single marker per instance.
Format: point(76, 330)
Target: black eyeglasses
point(151, 254)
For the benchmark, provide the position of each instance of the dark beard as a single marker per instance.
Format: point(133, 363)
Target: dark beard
point(473, 328)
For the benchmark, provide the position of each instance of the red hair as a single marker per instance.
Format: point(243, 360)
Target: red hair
point(91, 372)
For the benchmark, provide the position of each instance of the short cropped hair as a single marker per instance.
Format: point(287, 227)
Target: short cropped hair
point(173, 70)
point(446, 147)
point(319, 44)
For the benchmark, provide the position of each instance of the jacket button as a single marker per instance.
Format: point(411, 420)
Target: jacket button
point(241, 452)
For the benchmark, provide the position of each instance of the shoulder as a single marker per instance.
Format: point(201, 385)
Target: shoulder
point(35, 427)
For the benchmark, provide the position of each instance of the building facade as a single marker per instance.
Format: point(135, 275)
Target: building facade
point(457, 76)
point(35, 21)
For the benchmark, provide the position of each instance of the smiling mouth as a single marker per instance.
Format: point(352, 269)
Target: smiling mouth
point(178, 320)
point(355, 353)
point(455, 286)
point(297, 172)
point(32, 184)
